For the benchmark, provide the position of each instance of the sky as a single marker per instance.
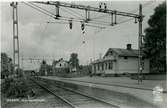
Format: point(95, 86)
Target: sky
point(38, 39)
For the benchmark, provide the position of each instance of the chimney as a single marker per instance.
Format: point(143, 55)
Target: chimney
point(128, 46)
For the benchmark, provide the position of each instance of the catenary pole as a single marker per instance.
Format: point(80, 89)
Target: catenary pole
point(16, 58)
point(140, 68)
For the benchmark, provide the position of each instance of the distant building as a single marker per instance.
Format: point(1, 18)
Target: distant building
point(60, 64)
point(59, 67)
point(119, 61)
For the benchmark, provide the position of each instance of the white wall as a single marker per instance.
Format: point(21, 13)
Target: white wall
point(109, 71)
point(146, 66)
point(130, 65)
point(63, 64)
point(106, 71)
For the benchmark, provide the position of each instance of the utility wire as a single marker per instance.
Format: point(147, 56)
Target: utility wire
point(51, 22)
point(116, 24)
point(50, 14)
point(65, 19)
point(42, 9)
point(69, 12)
point(38, 9)
point(108, 23)
point(125, 21)
point(102, 16)
point(143, 6)
point(76, 12)
point(134, 11)
point(78, 20)
point(46, 10)
point(53, 16)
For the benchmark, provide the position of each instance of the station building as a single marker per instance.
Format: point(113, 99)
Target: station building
point(119, 61)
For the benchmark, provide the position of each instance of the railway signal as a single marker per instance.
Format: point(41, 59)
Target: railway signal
point(105, 6)
point(102, 6)
point(135, 20)
point(82, 26)
point(70, 24)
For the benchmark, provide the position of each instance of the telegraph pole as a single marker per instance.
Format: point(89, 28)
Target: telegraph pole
point(16, 61)
point(140, 67)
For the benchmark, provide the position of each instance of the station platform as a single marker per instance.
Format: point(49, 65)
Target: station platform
point(147, 90)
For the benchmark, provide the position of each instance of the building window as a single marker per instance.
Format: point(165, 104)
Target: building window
point(98, 66)
point(125, 57)
point(102, 66)
point(94, 66)
point(110, 65)
point(60, 65)
point(106, 65)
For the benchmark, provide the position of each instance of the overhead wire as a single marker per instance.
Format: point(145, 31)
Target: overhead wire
point(44, 11)
point(50, 14)
point(38, 9)
point(56, 22)
point(53, 16)
point(127, 20)
point(134, 11)
point(64, 9)
point(76, 12)
point(143, 7)
point(79, 20)
point(47, 10)
point(93, 21)
point(42, 8)
point(102, 16)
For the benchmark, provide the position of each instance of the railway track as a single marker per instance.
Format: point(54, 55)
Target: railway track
point(74, 99)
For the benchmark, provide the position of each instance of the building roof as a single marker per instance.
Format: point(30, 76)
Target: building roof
point(102, 60)
point(119, 52)
point(57, 61)
point(123, 52)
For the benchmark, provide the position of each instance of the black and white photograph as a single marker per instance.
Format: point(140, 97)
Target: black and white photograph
point(83, 54)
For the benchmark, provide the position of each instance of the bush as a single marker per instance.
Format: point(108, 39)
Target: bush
point(116, 75)
point(15, 87)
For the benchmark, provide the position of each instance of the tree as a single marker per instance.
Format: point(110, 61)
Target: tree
point(6, 65)
point(74, 62)
point(155, 39)
point(43, 66)
point(4, 61)
point(49, 69)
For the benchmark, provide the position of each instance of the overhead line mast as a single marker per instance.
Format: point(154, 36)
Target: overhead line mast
point(16, 60)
